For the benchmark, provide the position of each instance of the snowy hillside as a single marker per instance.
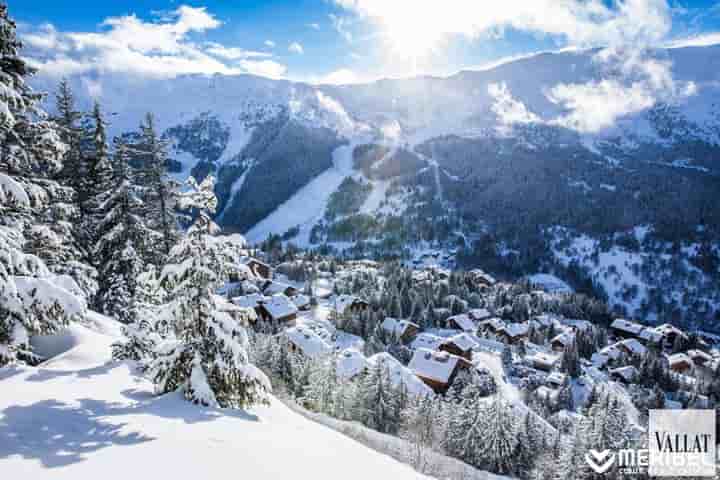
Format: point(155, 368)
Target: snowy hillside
point(455, 158)
point(82, 416)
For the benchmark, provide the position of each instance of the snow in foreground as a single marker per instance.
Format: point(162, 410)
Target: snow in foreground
point(82, 416)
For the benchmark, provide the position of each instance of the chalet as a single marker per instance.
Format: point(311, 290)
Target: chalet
point(680, 363)
point(302, 302)
point(278, 308)
point(480, 278)
point(437, 369)
point(670, 334)
point(258, 268)
point(626, 329)
point(493, 326)
point(272, 288)
point(249, 301)
point(403, 330)
point(461, 345)
point(556, 379)
point(307, 342)
point(461, 322)
point(632, 347)
point(479, 314)
point(349, 304)
point(514, 332)
point(350, 363)
point(699, 357)
point(544, 321)
point(543, 361)
point(560, 342)
point(577, 325)
point(427, 340)
point(650, 336)
point(627, 374)
point(609, 354)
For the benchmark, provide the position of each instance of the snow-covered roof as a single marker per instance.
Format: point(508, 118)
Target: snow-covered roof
point(556, 378)
point(699, 354)
point(666, 329)
point(550, 283)
point(543, 358)
point(274, 287)
point(583, 325)
point(249, 301)
point(651, 335)
point(307, 341)
point(400, 375)
point(427, 340)
point(516, 329)
point(397, 327)
point(565, 338)
point(678, 358)
point(438, 366)
point(279, 306)
point(463, 341)
point(301, 301)
point(626, 326)
point(342, 302)
point(463, 321)
point(633, 346)
point(493, 323)
point(479, 314)
point(349, 363)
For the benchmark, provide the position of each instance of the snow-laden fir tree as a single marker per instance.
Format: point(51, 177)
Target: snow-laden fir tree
point(375, 407)
point(99, 178)
point(208, 357)
point(466, 428)
point(320, 392)
point(161, 192)
point(499, 442)
point(33, 299)
point(122, 235)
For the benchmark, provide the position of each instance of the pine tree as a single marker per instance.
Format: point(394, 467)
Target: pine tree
point(99, 179)
point(466, 429)
point(68, 120)
point(375, 400)
point(31, 152)
point(208, 358)
point(161, 195)
point(319, 393)
point(499, 442)
point(122, 236)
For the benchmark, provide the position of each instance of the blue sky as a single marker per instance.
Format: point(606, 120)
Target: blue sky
point(338, 40)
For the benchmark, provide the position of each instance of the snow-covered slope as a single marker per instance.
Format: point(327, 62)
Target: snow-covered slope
point(82, 416)
point(307, 206)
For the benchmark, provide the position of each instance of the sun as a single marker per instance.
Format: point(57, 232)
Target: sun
point(411, 41)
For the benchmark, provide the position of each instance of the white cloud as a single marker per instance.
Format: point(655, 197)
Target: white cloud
point(295, 47)
point(702, 40)
point(264, 68)
point(635, 81)
point(129, 45)
point(342, 76)
point(233, 53)
point(508, 109)
point(578, 22)
point(314, 26)
point(269, 43)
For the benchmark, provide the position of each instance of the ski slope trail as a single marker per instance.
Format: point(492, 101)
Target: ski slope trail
point(307, 206)
point(82, 416)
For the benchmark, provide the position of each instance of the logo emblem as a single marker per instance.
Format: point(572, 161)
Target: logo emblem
point(600, 462)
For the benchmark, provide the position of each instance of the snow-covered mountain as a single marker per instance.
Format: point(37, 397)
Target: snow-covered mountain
point(594, 142)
